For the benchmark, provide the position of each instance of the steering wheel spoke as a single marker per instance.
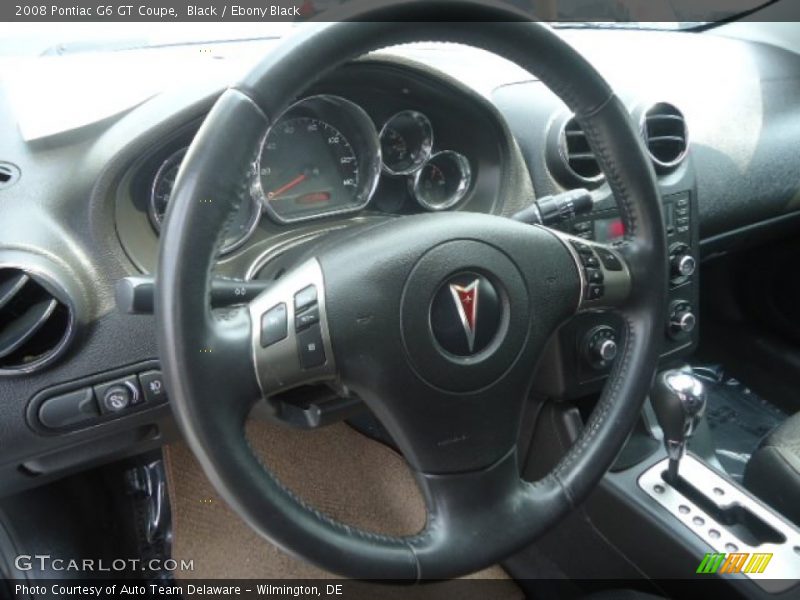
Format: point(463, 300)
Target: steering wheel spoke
point(290, 339)
point(604, 273)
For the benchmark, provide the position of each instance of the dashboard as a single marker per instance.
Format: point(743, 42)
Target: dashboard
point(417, 129)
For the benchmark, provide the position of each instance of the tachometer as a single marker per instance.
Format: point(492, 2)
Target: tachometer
point(239, 229)
point(320, 158)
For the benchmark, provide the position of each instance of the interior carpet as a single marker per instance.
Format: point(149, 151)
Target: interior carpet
point(738, 418)
point(336, 469)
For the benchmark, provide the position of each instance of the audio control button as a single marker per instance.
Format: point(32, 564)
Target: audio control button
point(594, 291)
point(581, 248)
point(590, 261)
point(610, 260)
point(594, 275)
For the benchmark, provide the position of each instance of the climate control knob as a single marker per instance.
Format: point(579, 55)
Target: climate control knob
point(600, 347)
point(682, 264)
point(682, 320)
point(607, 350)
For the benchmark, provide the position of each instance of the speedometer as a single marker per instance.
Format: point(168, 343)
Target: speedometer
point(321, 158)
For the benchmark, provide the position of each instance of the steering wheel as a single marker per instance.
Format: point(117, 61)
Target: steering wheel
point(397, 321)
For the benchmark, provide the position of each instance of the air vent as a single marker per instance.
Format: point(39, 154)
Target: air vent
point(665, 135)
point(577, 155)
point(9, 174)
point(34, 324)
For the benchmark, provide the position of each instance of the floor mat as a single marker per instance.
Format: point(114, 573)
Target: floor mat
point(738, 418)
point(341, 472)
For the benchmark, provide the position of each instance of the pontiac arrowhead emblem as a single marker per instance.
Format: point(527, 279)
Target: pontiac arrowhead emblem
point(466, 299)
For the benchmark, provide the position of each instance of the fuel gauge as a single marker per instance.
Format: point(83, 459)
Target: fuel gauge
point(442, 181)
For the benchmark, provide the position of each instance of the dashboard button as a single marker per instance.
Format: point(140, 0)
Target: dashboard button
point(274, 326)
point(115, 396)
point(306, 318)
point(309, 346)
point(69, 409)
point(305, 297)
point(153, 386)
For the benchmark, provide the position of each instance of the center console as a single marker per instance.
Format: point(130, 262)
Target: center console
point(743, 536)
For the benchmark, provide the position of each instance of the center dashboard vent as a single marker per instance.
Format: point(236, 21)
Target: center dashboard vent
point(35, 325)
point(577, 155)
point(665, 135)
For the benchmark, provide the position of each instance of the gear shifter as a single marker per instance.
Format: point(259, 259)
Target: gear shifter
point(679, 401)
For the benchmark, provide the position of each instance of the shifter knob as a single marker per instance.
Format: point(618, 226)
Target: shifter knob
point(679, 401)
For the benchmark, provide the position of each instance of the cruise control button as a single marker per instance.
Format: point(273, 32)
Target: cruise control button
point(610, 261)
point(274, 326)
point(153, 386)
point(309, 346)
point(305, 297)
point(306, 318)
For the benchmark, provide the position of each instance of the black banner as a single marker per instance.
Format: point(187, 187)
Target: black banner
point(607, 11)
point(339, 589)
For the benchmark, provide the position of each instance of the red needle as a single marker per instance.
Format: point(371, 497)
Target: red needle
point(285, 188)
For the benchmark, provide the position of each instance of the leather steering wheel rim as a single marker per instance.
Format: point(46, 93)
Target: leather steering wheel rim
point(478, 512)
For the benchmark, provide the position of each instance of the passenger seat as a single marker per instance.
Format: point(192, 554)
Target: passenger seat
point(773, 472)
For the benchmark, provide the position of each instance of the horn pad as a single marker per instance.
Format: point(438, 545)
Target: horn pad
point(465, 315)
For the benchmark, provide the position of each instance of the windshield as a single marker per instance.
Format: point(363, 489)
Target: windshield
point(48, 39)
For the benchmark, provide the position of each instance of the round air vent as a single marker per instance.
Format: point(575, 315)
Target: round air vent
point(576, 154)
point(665, 135)
point(35, 323)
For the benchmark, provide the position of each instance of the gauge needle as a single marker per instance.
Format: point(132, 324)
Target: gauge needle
point(285, 188)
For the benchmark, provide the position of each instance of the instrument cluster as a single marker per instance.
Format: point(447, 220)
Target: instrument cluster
point(325, 156)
